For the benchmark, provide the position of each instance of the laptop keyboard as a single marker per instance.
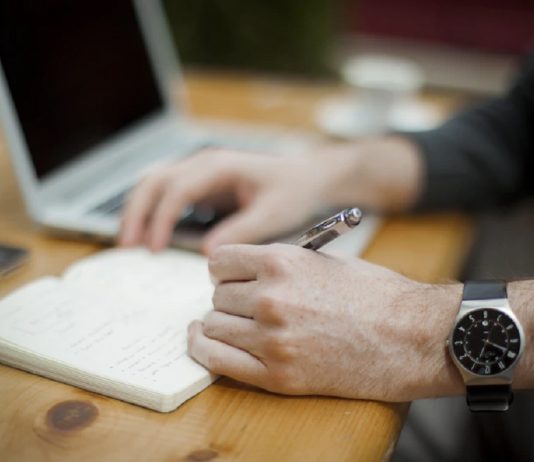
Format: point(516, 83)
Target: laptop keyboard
point(195, 218)
point(195, 215)
point(113, 205)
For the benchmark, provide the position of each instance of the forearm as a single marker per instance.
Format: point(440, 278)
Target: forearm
point(521, 297)
point(479, 158)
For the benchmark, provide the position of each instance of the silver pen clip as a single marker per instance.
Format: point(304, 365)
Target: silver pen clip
point(329, 229)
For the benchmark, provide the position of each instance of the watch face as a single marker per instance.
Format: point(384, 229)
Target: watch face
point(486, 341)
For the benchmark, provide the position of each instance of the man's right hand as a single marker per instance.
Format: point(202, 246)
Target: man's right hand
point(274, 195)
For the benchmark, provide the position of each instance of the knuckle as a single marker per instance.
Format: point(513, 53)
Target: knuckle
point(222, 299)
point(209, 331)
point(270, 265)
point(279, 347)
point(217, 363)
point(220, 255)
point(215, 259)
point(208, 325)
point(275, 264)
point(213, 362)
point(216, 256)
point(266, 300)
point(216, 297)
point(212, 265)
point(270, 309)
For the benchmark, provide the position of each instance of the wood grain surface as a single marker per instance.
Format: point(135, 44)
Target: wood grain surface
point(41, 420)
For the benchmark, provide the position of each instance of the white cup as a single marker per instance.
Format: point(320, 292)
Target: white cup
point(379, 82)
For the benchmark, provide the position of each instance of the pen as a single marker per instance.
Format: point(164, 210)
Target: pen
point(329, 229)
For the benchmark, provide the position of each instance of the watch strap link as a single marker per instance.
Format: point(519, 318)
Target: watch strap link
point(484, 290)
point(489, 398)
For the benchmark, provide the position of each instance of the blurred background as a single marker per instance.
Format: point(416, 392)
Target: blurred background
point(480, 38)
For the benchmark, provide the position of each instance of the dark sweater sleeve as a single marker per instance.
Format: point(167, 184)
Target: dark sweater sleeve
point(484, 156)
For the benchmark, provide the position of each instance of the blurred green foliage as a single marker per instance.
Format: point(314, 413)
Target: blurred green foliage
point(268, 35)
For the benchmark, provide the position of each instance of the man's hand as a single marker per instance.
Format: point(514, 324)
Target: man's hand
point(295, 321)
point(274, 195)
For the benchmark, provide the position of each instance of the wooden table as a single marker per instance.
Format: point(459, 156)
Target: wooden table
point(44, 420)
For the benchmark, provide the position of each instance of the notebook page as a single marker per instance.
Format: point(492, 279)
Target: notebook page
point(121, 315)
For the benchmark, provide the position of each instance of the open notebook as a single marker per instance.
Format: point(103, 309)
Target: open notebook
point(115, 323)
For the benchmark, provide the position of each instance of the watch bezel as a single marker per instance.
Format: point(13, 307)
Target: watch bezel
point(471, 378)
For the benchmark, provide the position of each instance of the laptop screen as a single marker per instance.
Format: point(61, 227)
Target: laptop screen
point(77, 72)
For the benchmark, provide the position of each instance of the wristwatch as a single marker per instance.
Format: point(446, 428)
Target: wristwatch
point(485, 344)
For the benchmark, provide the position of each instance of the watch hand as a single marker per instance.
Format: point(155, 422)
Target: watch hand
point(495, 345)
point(485, 342)
point(482, 351)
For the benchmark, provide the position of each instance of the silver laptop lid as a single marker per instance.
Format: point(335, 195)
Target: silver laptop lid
point(76, 78)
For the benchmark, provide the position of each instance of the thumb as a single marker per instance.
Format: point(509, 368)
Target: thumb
point(247, 226)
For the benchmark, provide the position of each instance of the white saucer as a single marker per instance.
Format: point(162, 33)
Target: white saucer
point(346, 118)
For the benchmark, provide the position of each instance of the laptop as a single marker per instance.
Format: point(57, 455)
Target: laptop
point(89, 100)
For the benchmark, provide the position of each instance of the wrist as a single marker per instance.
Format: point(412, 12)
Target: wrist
point(381, 173)
point(445, 379)
point(339, 166)
point(439, 376)
point(521, 299)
